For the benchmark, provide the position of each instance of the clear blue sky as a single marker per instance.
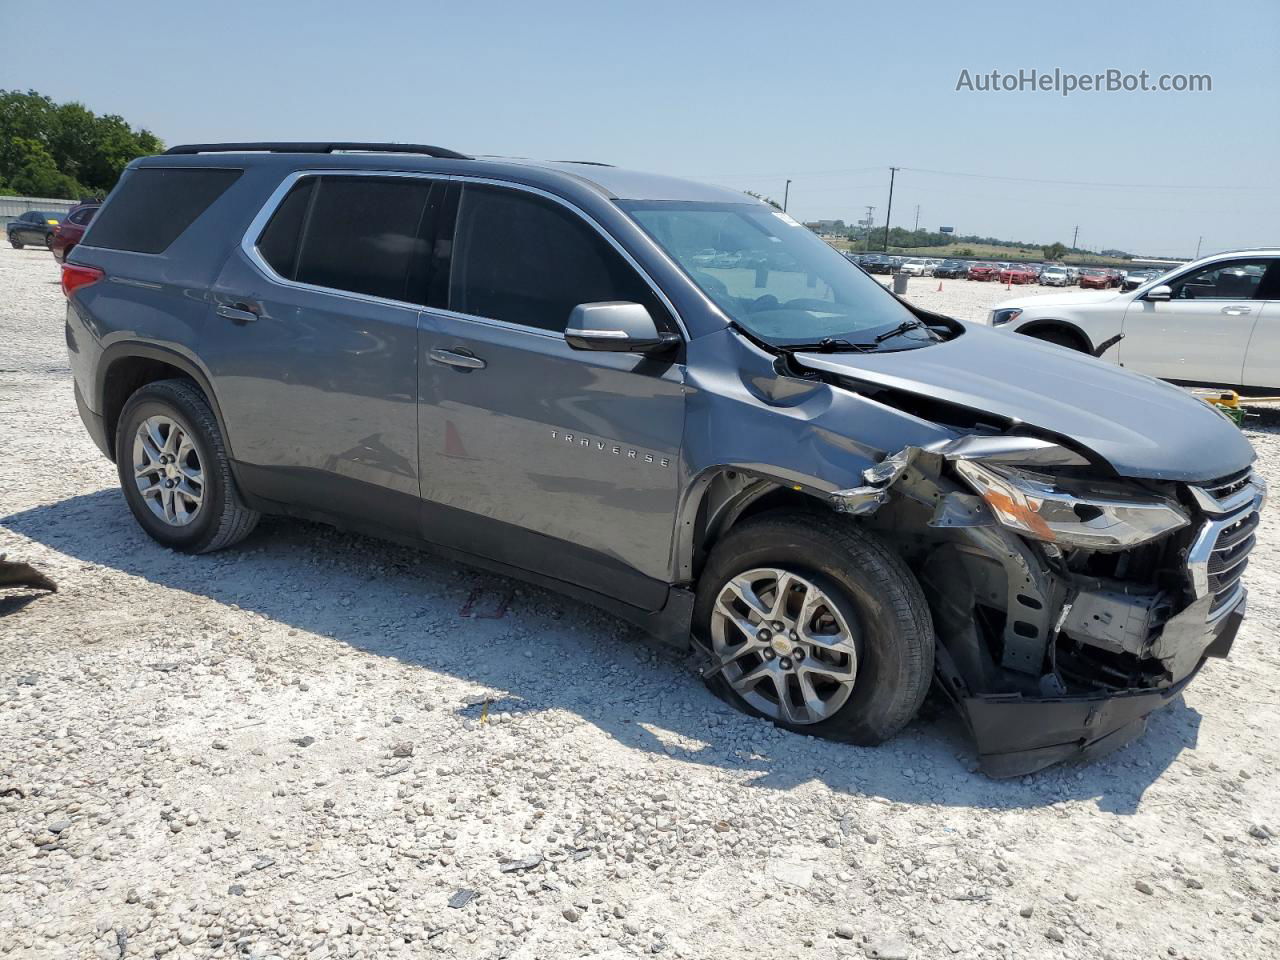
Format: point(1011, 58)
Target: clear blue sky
point(746, 94)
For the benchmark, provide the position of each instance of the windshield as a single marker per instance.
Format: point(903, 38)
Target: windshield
point(773, 276)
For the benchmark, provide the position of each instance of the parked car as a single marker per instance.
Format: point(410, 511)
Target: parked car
point(1214, 322)
point(1055, 277)
point(983, 271)
point(916, 267)
point(1136, 278)
point(877, 263)
point(951, 269)
point(521, 365)
point(69, 232)
point(34, 227)
point(1097, 280)
point(1016, 273)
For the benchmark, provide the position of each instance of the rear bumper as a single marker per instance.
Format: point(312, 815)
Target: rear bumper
point(1016, 735)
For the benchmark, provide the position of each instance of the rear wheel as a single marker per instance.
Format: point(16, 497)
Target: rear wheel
point(175, 472)
point(15, 242)
point(817, 626)
point(48, 240)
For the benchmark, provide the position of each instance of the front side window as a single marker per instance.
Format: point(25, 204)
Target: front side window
point(773, 276)
point(1236, 280)
point(524, 259)
point(354, 233)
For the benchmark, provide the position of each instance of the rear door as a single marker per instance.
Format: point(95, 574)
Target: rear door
point(559, 461)
point(1200, 334)
point(313, 345)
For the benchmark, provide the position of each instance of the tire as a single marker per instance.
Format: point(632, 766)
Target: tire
point(1061, 338)
point(218, 518)
point(48, 241)
point(15, 243)
point(864, 584)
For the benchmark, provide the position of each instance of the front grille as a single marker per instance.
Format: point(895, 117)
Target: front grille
point(1224, 487)
point(1229, 558)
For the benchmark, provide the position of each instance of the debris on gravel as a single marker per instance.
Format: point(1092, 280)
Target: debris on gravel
point(304, 747)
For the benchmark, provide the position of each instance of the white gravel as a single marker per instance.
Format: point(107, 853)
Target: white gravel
point(300, 748)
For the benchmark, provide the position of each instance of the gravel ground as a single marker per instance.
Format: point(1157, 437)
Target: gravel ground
point(302, 747)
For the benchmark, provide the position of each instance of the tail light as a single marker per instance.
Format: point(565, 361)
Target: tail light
point(57, 230)
point(74, 277)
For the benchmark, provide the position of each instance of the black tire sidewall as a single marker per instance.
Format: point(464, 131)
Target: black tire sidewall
point(148, 402)
point(882, 667)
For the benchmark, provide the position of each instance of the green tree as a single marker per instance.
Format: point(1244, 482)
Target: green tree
point(66, 149)
point(36, 175)
point(1053, 251)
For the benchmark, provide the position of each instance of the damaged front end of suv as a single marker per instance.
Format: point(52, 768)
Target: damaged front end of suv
point(1067, 606)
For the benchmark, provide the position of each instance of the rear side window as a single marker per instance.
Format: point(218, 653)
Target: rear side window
point(83, 216)
point(524, 259)
point(153, 205)
point(359, 234)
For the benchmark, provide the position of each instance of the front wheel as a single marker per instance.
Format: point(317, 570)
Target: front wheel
point(817, 626)
point(15, 242)
point(175, 472)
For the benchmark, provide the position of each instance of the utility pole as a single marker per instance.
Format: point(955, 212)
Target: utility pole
point(1198, 242)
point(889, 212)
point(917, 226)
point(866, 227)
point(1075, 234)
point(786, 192)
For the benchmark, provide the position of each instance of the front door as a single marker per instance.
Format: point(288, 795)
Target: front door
point(1200, 334)
point(555, 460)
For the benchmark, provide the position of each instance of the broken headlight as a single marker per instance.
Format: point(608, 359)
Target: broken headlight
point(1093, 516)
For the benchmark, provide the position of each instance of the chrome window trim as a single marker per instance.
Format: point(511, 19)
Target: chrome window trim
point(249, 243)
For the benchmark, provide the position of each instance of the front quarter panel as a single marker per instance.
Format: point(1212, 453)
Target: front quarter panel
point(742, 414)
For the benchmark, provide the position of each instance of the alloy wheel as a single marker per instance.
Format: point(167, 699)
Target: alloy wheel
point(784, 646)
point(168, 471)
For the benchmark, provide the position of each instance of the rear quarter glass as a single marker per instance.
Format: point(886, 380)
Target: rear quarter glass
point(152, 206)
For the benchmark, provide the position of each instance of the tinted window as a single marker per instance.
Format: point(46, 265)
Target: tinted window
point(279, 241)
point(361, 234)
point(83, 216)
point(524, 259)
point(153, 205)
point(1237, 280)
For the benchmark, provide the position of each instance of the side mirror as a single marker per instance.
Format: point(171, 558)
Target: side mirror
point(1162, 292)
point(616, 327)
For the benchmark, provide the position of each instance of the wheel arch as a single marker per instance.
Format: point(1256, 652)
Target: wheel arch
point(722, 496)
point(1054, 323)
point(126, 367)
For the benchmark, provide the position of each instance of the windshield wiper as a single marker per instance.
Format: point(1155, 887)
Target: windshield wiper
point(827, 345)
point(902, 328)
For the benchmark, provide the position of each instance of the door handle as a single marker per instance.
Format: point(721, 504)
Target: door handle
point(238, 313)
point(1234, 311)
point(456, 358)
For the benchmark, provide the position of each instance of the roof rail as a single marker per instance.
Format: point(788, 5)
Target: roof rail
point(317, 147)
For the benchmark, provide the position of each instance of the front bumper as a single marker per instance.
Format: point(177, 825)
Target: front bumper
point(1016, 735)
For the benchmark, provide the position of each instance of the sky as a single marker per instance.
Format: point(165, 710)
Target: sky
point(745, 94)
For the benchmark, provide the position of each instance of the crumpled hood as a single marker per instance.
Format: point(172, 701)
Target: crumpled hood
point(1141, 426)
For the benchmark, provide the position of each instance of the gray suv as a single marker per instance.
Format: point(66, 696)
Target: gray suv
point(674, 402)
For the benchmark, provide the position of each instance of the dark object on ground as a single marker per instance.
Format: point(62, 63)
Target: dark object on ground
point(15, 574)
